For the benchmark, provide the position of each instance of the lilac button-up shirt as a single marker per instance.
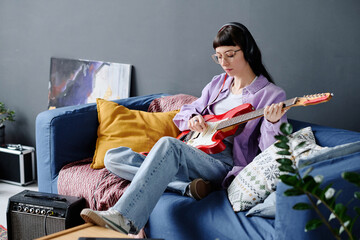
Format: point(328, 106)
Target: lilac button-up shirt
point(257, 135)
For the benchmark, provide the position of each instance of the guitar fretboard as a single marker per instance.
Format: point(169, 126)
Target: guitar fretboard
point(251, 115)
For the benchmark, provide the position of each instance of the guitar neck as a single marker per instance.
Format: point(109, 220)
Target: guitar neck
point(251, 115)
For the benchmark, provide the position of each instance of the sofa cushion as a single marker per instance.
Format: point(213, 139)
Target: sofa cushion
point(259, 178)
point(138, 130)
point(178, 217)
point(330, 153)
point(170, 103)
point(266, 209)
point(328, 136)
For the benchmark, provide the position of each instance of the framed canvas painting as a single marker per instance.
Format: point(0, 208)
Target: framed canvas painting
point(77, 81)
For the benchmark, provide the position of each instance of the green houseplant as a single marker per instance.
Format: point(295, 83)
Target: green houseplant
point(5, 115)
point(316, 194)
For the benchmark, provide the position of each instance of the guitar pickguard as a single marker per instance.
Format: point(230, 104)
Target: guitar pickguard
point(205, 138)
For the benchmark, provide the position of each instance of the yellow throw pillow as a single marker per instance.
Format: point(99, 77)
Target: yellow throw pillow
point(138, 130)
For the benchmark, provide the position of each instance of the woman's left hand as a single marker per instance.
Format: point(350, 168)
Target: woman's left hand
point(274, 112)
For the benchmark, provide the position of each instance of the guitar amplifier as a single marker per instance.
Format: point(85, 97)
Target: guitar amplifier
point(34, 214)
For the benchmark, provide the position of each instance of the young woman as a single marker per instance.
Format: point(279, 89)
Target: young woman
point(172, 164)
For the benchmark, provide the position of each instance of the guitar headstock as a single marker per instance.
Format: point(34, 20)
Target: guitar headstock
point(313, 99)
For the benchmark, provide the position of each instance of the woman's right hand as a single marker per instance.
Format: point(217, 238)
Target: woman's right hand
point(197, 123)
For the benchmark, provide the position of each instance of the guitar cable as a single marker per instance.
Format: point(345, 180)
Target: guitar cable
point(46, 216)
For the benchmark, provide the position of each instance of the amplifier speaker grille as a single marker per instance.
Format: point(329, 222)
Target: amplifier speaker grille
point(29, 226)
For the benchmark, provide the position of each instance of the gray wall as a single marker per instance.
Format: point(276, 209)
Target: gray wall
point(308, 47)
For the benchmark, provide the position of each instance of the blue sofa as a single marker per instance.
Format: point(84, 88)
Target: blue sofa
point(69, 134)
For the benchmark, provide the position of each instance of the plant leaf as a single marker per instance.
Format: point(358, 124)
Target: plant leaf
point(284, 161)
point(289, 180)
point(340, 210)
point(352, 177)
point(293, 192)
point(284, 152)
point(287, 168)
point(282, 138)
point(309, 184)
point(286, 128)
point(313, 224)
point(282, 145)
point(302, 206)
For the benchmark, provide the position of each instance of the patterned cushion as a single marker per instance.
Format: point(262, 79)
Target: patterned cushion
point(100, 188)
point(170, 103)
point(258, 179)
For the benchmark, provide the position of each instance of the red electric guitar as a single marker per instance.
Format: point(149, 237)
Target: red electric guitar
point(224, 125)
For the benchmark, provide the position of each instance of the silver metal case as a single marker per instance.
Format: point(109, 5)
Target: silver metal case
point(17, 165)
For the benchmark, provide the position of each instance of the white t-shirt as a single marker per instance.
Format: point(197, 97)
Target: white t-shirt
point(228, 103)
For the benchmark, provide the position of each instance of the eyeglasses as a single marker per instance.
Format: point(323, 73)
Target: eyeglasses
point(228, 56)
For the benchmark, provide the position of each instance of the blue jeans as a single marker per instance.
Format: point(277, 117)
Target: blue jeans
point(171, 164)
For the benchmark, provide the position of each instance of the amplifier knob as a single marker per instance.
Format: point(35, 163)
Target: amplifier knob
point(31, 210)
point(43, 212)
point(26, 209)
point(37, 211)
point(19, 208)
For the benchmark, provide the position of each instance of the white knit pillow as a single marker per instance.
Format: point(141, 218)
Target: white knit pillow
point(259, 178)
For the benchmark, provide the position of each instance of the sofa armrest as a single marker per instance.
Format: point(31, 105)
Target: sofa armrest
point(69, 134)
point(290, 224)
point(327, 136)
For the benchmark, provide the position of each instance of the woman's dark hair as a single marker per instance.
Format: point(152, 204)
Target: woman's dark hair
point(233, 34)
